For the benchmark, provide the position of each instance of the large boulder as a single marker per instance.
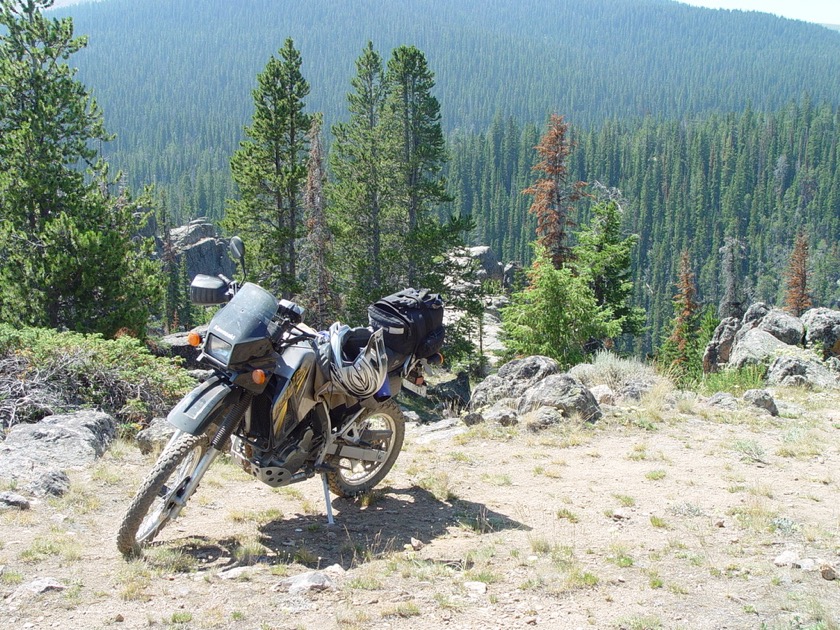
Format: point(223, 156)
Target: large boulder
point(177, 345)
point(783, 326)
point(455, 391)
point(755, 347)
point(562, 392)
point(822, 331)
point(512, 380)
point(56, 443)
point(489, 267)
point(201, 249)
point(718, 349)
point(802, 370)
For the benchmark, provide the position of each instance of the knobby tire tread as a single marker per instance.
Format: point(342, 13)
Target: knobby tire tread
point(166, 464)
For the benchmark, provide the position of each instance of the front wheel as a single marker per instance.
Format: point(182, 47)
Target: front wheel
point(382, 428)
point(161, 496)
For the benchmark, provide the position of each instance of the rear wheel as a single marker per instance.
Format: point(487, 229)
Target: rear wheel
point(162, 493)
point(383, 429)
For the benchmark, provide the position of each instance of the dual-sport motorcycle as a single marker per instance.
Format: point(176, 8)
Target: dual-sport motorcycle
point(287, 401)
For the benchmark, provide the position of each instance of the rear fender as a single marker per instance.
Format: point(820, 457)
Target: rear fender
point(199, 407)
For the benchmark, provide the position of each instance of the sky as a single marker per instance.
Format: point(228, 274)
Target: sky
point(818, 11)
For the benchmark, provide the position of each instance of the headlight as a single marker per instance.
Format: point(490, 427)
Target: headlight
point(218, 349)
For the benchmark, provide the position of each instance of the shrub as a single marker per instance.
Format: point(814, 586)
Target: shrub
point(43, 371)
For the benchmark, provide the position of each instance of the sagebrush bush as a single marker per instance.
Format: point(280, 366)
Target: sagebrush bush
point(610, 369)
point(43, 371)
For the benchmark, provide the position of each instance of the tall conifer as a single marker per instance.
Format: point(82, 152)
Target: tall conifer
point(797, 299)
point(554, 193)
point(70, 254)
point(270, 170)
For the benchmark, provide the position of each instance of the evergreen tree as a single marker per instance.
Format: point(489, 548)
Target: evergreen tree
point(270, 171)
point(797, 299)
point(319, 297)
point(556, 315)
point(681, 354)
point(70, 255)
point(554, 194)
point(361, 210)
point(412, 116)
point(604, 257)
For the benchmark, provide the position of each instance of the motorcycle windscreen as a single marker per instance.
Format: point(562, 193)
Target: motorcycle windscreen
point(239, 332)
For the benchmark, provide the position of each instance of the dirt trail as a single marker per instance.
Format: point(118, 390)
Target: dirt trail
point(654, 518)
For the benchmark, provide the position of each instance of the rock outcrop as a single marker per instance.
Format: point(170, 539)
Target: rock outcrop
point(39, 453)
point(800, 351)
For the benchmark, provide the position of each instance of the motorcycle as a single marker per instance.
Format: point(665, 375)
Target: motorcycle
point(286, 401)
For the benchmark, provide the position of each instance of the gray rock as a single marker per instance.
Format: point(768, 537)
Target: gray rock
point(12, 500)
point(563, 392)
point(822, 331)
point(634, 390)
point(718, 350)
point(155, 436)
point(27, 592)
point(473, 418)
point(52, 483)
point(501, 414)
point(802, 371)
point(200, 249)
point(305, 582)
point(542, 418)
point(512, 380)
point(603, 394)
point(56, 443)
point(786, 558)
point(723, 400)
point(762, 399)
point(455, 391)
point(755, 313)
point(488, 262)
point(783, 326)
point(176, 345)
point(755, 347)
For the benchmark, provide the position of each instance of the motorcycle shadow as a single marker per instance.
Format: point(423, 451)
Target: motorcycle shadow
point(387, 520)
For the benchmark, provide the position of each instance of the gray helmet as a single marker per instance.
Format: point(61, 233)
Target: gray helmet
point(360, 371)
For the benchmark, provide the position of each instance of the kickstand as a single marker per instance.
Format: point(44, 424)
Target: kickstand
point(330, 520)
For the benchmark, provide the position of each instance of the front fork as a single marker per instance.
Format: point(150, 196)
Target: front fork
point(232, 419)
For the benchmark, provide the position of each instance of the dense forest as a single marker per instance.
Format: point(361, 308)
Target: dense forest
point(713, 124)
point(688, 185)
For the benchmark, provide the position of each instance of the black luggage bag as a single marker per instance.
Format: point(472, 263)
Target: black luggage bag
point(412, 320)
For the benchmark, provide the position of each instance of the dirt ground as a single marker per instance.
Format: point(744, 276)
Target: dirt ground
point(659, 516)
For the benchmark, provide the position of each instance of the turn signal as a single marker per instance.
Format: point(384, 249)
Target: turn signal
point(258, 377)
point(194, 339)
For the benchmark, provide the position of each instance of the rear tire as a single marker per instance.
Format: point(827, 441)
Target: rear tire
point(151, 509)
point(352, 476)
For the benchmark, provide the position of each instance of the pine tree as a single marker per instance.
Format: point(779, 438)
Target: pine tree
point(556, 315)
point(270, 170)
point(554, 194)
point(681, 354)
point(797, 299)
point(70, 254)
point(361, 210)
point(412, 115)
point(604, 257)
point(319, 297)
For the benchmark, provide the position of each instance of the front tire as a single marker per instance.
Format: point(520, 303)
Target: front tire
point(385, 427)
point(153, 505)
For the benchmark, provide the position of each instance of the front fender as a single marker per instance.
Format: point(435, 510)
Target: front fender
point(196, 409)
